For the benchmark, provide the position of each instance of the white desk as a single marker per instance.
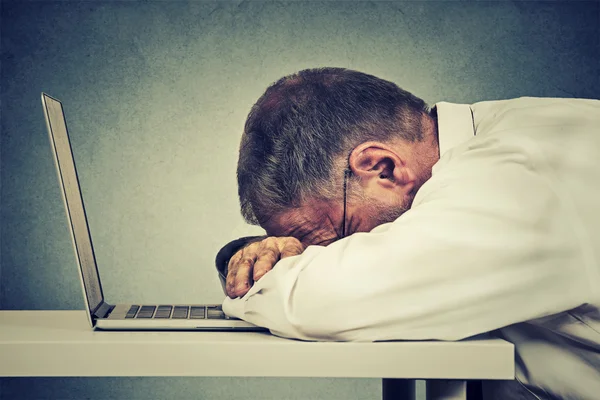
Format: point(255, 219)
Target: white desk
point(61, 343)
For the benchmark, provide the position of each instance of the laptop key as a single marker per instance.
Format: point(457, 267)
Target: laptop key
point(197, 312)
point(146, 312)
point(163, 312)
point(132, 311)
point(215, 313)
point(180, 312)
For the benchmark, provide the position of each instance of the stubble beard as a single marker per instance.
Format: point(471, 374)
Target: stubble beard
point(384, 213)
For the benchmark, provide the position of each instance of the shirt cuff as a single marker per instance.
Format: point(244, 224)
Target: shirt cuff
point(234, 307)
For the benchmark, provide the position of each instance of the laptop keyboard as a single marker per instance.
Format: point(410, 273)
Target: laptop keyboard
point(175, 312)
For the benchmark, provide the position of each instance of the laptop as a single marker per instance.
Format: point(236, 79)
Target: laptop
point(101, 314)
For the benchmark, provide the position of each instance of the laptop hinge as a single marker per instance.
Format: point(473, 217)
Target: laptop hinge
point(103, 310)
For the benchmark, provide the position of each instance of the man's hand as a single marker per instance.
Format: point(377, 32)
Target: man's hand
point(249, 264)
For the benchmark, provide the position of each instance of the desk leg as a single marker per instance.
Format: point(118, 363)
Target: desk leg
point(441, 389)
point(398, 389)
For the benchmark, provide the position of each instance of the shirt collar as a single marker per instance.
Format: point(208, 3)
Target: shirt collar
point(455, 125)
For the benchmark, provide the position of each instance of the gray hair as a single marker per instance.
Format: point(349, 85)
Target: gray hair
point(305, 124)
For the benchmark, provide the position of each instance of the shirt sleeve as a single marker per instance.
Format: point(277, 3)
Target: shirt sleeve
point(486, 244)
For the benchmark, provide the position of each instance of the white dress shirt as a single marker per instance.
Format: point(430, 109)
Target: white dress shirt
point(504, 238)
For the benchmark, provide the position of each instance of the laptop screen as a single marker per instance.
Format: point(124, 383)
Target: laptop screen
point(67, 173)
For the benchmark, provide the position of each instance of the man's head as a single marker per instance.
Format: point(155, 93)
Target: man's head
point(308, 129)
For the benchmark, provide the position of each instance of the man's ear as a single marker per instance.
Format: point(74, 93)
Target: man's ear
point(379, 167)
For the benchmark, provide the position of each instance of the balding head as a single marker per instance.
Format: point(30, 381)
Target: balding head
point(300, 133)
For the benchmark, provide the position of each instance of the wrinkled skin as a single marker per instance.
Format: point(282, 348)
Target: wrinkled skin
point(252, 262)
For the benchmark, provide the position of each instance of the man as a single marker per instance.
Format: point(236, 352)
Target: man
point(416, 224)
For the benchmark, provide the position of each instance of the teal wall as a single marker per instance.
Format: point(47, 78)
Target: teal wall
point(156, 94)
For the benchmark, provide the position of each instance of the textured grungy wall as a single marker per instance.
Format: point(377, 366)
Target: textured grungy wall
point(156, 94)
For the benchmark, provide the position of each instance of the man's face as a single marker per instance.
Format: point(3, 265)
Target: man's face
point(320, 223)
point(387, 177)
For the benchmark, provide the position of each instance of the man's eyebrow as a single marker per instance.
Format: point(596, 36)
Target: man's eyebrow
point(303, 236)
point(295, 232)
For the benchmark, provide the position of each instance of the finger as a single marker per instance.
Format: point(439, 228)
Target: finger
point(232, 268)
point(291, 247)
point(244, 274)
point(230, 285)
point(267, 258)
